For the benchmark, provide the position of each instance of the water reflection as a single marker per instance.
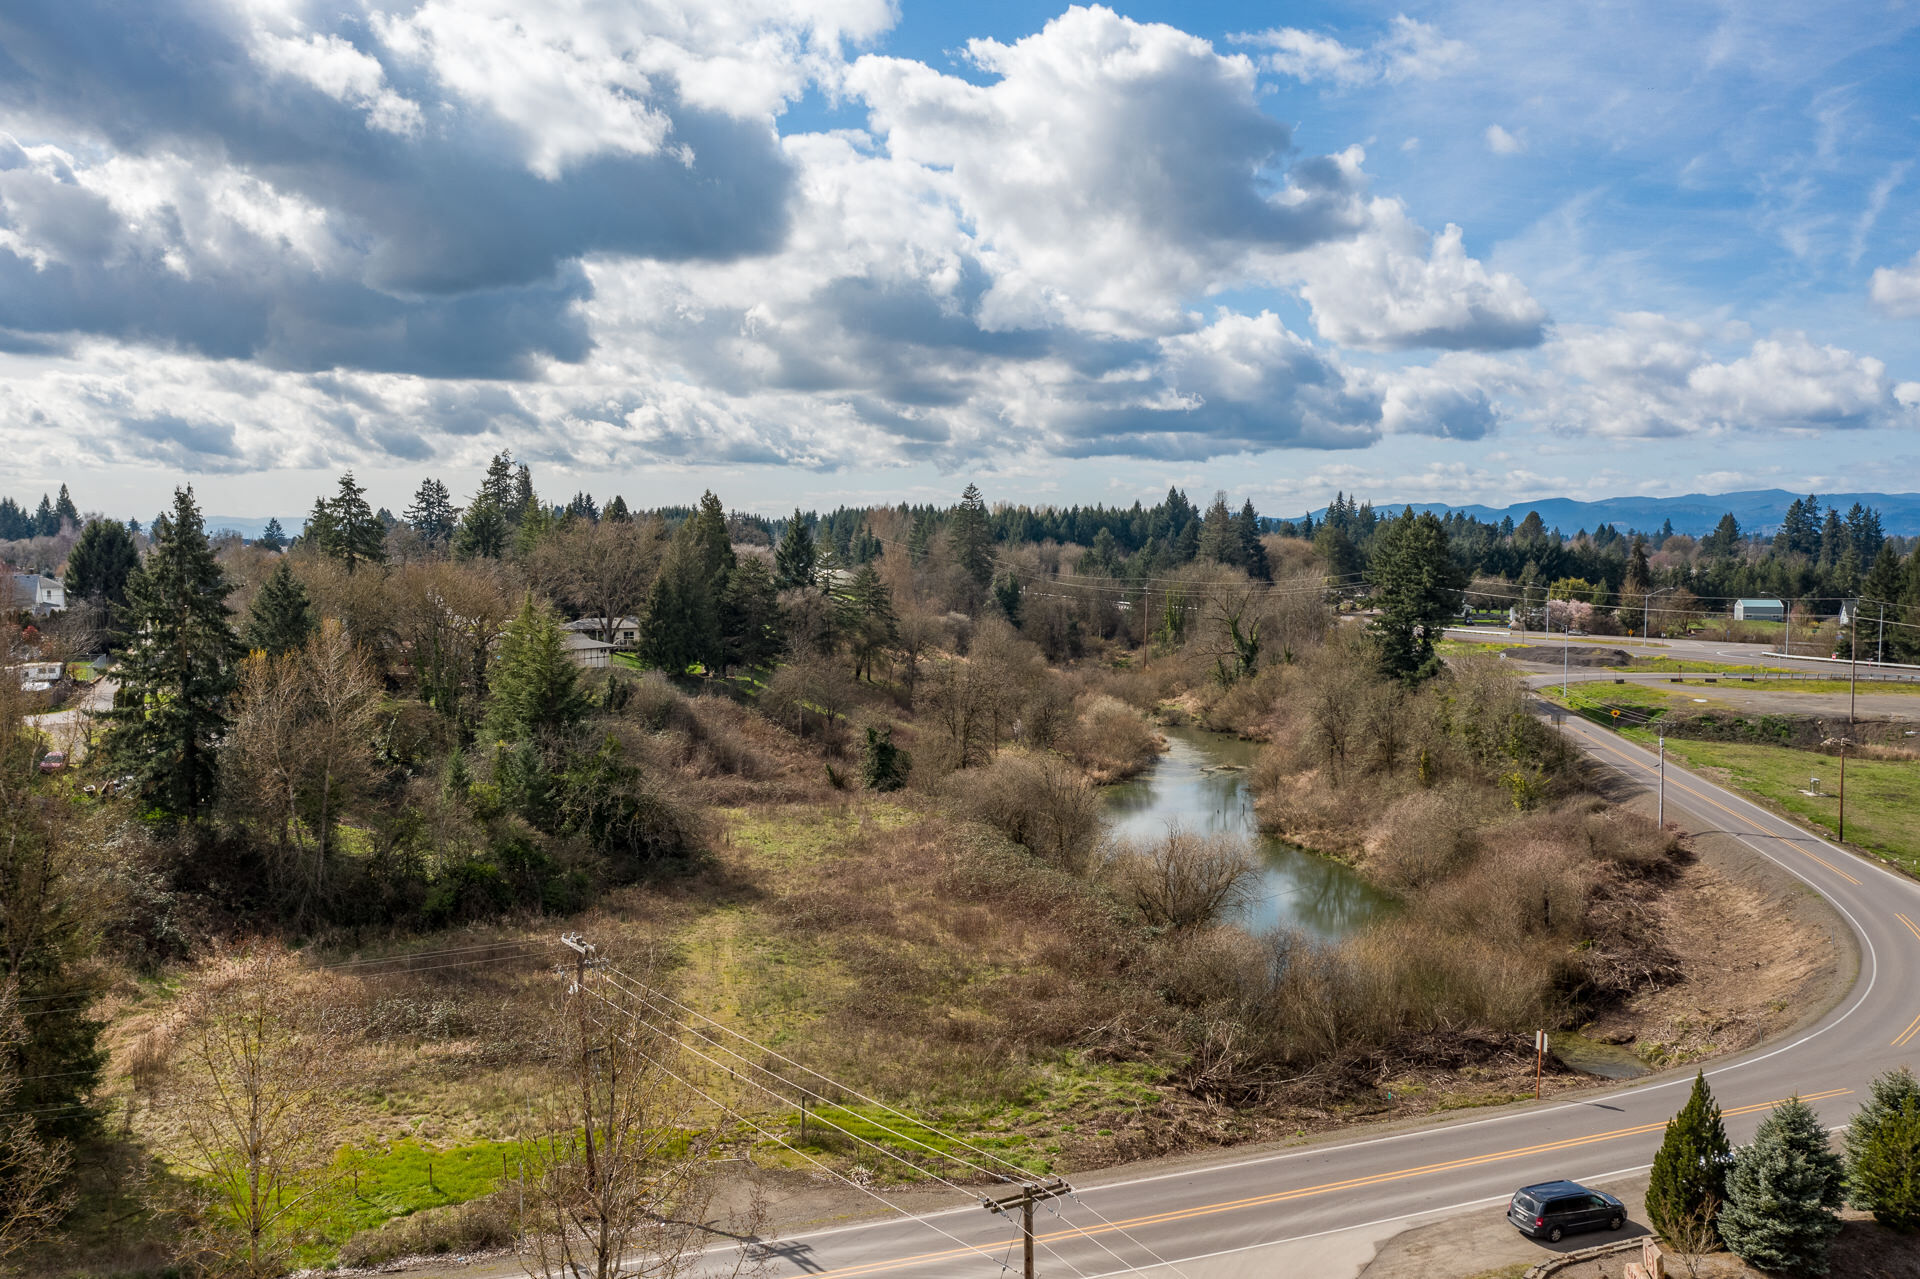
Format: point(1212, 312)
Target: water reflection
point(1200, 784)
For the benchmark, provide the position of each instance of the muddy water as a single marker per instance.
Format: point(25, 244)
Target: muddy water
point(1200, 784)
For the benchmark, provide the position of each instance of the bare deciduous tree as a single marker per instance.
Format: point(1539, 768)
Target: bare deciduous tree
point(601, 568)
point(254, 1087)
point(623, 1187)
point(33, 1193)
point(301, 747)
point(1187, 880)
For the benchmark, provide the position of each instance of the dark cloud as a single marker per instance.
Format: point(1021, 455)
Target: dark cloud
point(458, 261)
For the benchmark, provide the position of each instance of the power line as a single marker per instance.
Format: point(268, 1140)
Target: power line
point(985, 1154)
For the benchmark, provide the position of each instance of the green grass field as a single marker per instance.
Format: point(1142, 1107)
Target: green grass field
point(1882, 795)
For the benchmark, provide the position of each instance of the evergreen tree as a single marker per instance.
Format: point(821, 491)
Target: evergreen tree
point(682, 623)
point(1253, 552)
point(45, 522)
point(1724, 542)
point(1217, 542)
point(64, 510)
point(1417, 588)
point(1007, 594)
point(522, 502)
point(1865, 531)
point(100, 563)
point(1334, 545)
point(497, 487)
point(178, 673)
point(281, 617)
point(1834, 539)
point(871, 624)
point(349, 532)
point(483, 531)
point(581, 506)
point(272, 537)
point(794, 561)
point(616, 511)
point(969, 537)
point(15, 523)
point(1782, 1193)
point(713, 543)
point(1883, 1152)
point(433, 514)
point(1690, 1171)
point(750, 616)
point(536, 694)
point(920, 538)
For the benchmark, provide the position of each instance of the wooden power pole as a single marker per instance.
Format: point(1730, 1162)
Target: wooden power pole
point(1024, 1199)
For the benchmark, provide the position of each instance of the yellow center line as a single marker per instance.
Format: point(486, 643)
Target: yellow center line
point(1708, 799)
point(1911, 926)
point(1304, 1192)
point(1907, 1035)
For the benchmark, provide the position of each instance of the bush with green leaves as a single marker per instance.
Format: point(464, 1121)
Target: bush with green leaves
point(884, 766)
point(1783, 1192)
point(1691, 1168)
point(1883, 1152)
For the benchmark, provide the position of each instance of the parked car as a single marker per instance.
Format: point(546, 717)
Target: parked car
point(53, 761)
point(1551, 1210)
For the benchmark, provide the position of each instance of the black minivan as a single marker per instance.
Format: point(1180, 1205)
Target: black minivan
point(1553, 1209)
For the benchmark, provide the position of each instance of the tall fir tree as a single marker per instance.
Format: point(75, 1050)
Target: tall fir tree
point(281, 617)
point(750, 616)
point(433, 515)
point(272, 537)
point(1883, 1152)
point(713, 542)
point(348, 529)
point(536, 694)
point(1417, 588)
point(1689, 1175)
point(616, 511)
point(483, 532)
point(178, 673)
point(970, 538)
point(46, 522)
point(64, 510)
point(1218, 543)
point(920, 537)
point(1783, 1194)
point(1253, 551)
point(497, 487)
point(682, 622)
point(795, 560)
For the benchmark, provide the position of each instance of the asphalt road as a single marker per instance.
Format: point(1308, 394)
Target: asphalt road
point(1206, 1218)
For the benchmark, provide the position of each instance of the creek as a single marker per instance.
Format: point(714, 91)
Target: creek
point(1200, 785)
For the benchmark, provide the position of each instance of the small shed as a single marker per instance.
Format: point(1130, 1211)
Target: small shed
point(1759, 611)
point(585, 650)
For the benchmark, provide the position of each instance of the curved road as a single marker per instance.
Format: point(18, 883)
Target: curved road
point(1238, 1205)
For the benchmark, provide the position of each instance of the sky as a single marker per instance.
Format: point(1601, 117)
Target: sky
point(814, 252)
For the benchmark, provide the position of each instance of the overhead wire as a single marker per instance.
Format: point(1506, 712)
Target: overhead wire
point(893, 1110)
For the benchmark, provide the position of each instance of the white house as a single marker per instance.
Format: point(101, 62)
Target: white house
point(624, 633)
point(39, 595)
point(585, 650)
point(1759, 611)
point(36, 677)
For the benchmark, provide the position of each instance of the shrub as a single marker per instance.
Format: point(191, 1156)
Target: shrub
point(884, 766)
point(1110, 739)
point(1040, 802)
point(457, 1228)
point(1782, 1192)
point(1187, 880)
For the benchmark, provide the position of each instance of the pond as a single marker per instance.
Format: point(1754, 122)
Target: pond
point(1200, 785)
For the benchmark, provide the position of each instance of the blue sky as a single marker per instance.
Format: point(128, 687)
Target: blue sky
point(813, 251)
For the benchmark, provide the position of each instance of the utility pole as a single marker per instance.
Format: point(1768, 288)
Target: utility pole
point(1662, 803)
point(1853, 660)
point(1880, 646)
point(1842, 743)
point(1646, 611)
point(1028, 1195)
point(1566, 654)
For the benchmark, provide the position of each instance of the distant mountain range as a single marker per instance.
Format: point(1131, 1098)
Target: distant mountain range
point(1759, 511)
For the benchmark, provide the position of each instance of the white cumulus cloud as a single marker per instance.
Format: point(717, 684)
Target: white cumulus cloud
point(1896, 289)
